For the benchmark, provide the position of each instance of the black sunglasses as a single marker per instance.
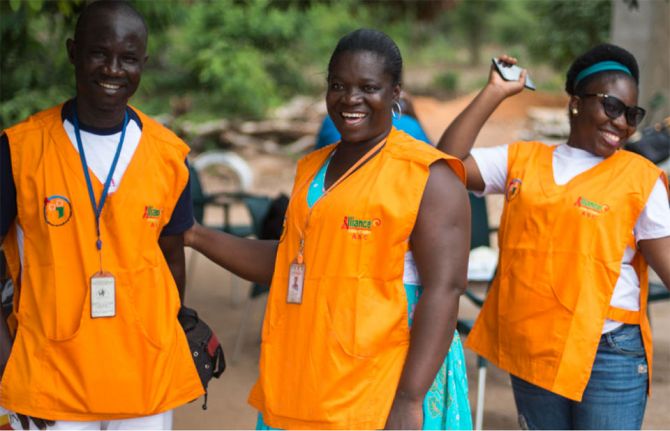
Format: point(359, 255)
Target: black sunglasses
point(614, 107)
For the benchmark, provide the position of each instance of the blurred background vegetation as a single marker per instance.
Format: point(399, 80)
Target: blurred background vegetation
point(240, 58)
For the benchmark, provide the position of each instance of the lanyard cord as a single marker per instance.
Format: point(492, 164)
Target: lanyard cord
point(97, 208)
point(366, 157)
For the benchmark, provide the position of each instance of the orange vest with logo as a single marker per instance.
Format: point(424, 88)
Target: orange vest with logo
point(334, 361)
point(64, 364)
point(561, 249)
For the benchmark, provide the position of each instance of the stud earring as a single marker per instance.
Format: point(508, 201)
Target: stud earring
point(574, 111)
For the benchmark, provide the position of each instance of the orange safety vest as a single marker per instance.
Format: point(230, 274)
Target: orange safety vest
point(561, 249)
point(334, 361)
point(65, 365)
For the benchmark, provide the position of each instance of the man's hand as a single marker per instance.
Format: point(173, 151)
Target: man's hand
point(190, 235)
point(406, 414)
point(39, 423)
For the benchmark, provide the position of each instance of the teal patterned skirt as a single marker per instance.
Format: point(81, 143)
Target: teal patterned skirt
point(446, 405)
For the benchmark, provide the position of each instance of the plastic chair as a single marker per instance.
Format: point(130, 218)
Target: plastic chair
point(657, 292)
point(257, 207)
point(480, 237)
point(223, 200)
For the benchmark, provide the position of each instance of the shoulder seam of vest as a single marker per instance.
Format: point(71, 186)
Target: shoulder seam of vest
point(33, 122)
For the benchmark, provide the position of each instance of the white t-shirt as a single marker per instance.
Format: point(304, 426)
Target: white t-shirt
point(568, 162)
point(100, 150)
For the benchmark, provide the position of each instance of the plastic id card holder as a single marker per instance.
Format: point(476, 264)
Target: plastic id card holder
point(296, 282)
point(103, 295)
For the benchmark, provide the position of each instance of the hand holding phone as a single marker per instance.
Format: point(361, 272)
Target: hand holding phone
point(512, 72)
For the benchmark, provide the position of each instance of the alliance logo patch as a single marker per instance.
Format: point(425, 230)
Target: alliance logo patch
point(513, 189)
point(57, 210)
point(152, 214)
point(359, 228)
point(589, 208)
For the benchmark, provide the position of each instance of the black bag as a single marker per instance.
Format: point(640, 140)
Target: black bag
point(205, 347)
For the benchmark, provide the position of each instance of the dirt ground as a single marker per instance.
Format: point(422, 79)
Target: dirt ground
point(223, 300)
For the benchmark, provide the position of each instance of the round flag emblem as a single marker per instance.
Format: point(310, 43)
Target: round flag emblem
point(513, 189)
point(57, 210)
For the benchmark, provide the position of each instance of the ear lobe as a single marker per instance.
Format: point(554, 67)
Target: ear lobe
point(573, 103)
point(396, 92)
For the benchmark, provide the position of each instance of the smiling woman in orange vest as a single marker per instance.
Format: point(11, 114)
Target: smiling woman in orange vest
point(566, 313)
point(366, 278)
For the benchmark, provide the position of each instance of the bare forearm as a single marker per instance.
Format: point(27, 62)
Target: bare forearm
point(172, 247)
point(460, 136)
point(250, 259)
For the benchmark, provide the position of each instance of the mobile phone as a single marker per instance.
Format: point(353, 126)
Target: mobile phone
point(511, 72)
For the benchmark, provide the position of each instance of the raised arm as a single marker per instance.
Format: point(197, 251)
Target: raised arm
point(460, 136)
point(251, 259)
point(440, 243)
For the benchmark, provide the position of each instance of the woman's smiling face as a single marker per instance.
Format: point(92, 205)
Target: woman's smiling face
point(360, 97)
point(591, 129)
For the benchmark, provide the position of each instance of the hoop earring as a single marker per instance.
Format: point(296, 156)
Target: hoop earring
point(397, 114)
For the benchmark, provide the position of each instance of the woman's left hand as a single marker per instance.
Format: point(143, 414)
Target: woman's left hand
point(406, 414)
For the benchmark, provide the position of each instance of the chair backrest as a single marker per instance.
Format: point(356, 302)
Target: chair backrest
point(258, 207)
point(480, 233)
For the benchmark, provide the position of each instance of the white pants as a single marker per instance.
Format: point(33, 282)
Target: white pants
point(161, 421)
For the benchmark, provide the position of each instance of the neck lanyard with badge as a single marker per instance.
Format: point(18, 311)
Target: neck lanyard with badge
point(296, 280)
point(102, 285)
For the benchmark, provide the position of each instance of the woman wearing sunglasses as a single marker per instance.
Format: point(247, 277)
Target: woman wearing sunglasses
point(566, 314)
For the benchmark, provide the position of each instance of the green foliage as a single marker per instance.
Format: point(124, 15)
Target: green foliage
point(239, 54)
point(469, 22)
point(239, 58)
point(32, 77)
point(513, 23)
point(564, 29)
point(447, 81)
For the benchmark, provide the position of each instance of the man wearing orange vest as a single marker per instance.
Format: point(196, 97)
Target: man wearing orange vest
point(95, 200)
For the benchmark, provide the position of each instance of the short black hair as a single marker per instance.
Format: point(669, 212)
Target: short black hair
point(602, 52)
point(365, 39)
point(114, 6)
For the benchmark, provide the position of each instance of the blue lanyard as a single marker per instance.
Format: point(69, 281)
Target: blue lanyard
point(97, 209)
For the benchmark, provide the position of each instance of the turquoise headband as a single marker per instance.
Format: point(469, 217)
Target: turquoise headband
point(601, 67)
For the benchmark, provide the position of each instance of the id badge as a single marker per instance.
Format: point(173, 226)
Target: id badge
point(296, 282)
point(103, 295)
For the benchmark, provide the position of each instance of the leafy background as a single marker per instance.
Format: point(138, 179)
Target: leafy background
point(241, 58)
